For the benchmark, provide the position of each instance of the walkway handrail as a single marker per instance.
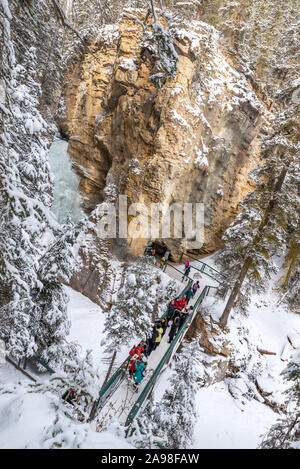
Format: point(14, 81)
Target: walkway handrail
point(121, 369)
point(37, 359)
point(107, 387)
point(149, 386)
point(175, 268)
point(203, 267)
point(167, 263)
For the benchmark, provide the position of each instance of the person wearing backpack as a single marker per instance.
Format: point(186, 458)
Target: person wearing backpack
point(140, 368)
point(195, 288)
point(171, 310)
point(164, 325)
point(160, 331)
point(131, 366)
point(186, 272)
point(184, 314)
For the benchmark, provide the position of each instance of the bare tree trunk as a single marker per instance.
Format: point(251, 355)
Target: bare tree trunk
point(153, 11)
point(248, 260)
point(293, 424)
point(109, 368)
point(235, 291)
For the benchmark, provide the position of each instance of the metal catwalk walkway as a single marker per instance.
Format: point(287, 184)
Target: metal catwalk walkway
point(118, 398)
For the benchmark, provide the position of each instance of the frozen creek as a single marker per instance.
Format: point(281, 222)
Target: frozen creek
point(67, 199)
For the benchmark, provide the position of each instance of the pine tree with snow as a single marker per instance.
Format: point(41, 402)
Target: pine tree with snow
point(265, 224)
point(130, 318)
point(290, 280)
point(144, 433)
point(167, 58)
point(52, 325)
point(165, 295)
point(32, 299)
point(25, 191)
point(285, 434)
point(76, 387)
point(64, 433)
point(130, 315)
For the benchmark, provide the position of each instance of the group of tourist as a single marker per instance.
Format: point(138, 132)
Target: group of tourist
point(178, 311)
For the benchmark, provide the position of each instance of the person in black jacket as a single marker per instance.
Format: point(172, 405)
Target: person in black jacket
point(182, 318)
point(186, 272)
point(176, 314)
point(151, 341)
point(148, 346)
point(164, 325)
point(174, 329)
point(171, 310)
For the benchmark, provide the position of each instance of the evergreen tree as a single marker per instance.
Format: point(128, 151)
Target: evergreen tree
point(51, 325)
point(267, 219)
point(130, 317)
point(290, 280)
point(144, 432)
point(32, 300)
point(285, 434)
point(25, 191)
point(80, 376)
point(64, 433)
point(167, 62)
point(165, 295)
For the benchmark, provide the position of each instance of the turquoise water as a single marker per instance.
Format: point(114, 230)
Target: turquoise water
point(67, 199)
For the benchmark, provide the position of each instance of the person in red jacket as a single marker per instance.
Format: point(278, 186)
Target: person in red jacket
point(177, 303)
point(138, 350)
point(131, 366)
point(183, 302)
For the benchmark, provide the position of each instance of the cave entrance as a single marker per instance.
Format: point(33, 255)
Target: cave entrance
point(160, 248)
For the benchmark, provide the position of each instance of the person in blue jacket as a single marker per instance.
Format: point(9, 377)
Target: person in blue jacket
point(140, 367)
point(189, 295)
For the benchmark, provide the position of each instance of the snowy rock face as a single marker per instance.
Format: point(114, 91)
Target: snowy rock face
point(263, 33)
point(193, 135)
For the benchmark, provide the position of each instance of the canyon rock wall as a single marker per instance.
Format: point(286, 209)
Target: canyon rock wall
point(192, 140)
point(262, 35)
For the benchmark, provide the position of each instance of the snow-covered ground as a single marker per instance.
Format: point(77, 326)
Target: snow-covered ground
point(225, 422)
point(25, 417)
point(222, 424)
point(87, 321)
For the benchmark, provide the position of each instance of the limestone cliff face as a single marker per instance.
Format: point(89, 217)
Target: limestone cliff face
point(192, 140)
